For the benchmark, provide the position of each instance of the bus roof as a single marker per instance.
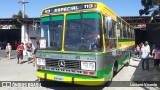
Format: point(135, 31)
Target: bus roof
point(80, 6)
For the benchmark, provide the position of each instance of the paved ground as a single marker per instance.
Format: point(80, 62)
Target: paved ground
point(133, 73)
point(11, 71)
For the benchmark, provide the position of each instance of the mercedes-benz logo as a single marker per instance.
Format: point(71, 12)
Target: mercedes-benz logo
point(61, 63)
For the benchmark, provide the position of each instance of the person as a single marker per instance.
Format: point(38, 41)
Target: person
point(145, 55)
point(141, 45)
point(137, 49)
point(96, 42)
point(156, 56)
point(8, 50)
point(19, 51)
point(147, 45)
point(29, 51)
point(34, 56)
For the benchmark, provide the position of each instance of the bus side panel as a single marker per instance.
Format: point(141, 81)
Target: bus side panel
point(124, 43)
point(122, 61)
point(105, 65)
point(126, 47)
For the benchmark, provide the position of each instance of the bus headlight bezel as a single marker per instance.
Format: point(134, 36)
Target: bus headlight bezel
point(41, 61)
point(88, 65)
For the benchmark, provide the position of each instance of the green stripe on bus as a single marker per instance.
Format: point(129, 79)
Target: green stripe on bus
point(124, 40)
point(80, 54)
point(54, 18)
point(106, 72)
point(73, 16)
point(86, 15)
point(44, 19)
point(91, 15)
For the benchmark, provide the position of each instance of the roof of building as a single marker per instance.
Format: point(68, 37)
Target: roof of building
point(135, 21)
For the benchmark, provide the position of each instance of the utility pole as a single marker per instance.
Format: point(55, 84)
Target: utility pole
point(23, 31)
point(23, 7)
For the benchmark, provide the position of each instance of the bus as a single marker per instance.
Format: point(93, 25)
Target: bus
point(82, 43)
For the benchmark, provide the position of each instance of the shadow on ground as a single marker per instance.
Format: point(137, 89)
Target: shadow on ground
point(65, 86)
point(150, 77)
point(144, 75)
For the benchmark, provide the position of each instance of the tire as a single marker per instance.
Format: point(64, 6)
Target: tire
point(114, 72)
point(115, 68)
point(42, 81)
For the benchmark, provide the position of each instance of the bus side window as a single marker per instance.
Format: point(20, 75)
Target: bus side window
point(110, 43)
point(110, 36)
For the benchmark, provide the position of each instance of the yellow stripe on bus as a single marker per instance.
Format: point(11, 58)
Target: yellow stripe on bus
point(50, 77)
point(40, 75)
point(89, 82)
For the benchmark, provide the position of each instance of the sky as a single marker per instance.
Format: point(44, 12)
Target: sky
point(34, 7)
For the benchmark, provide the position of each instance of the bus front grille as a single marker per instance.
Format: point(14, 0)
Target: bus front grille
point(68, 64)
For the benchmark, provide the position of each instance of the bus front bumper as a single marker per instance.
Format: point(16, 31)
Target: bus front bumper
point(70, 78)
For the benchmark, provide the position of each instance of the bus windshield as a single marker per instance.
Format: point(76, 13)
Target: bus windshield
point(51, 30)
point(83, 32)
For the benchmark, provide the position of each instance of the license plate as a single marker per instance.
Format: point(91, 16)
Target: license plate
point(58, 78)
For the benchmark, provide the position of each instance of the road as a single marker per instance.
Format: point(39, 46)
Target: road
point(11, 71)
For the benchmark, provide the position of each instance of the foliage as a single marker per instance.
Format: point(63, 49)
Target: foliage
point(19, 15)
point(150, 7)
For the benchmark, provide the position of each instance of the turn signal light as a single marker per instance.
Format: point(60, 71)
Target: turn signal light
point(84, 72)
point(95, 6)
point(91, 73)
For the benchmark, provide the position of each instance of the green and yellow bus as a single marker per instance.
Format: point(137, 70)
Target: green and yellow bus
point(83, 43)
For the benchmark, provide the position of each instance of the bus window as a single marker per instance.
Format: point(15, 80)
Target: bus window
point(133, 35)
point(51, 28)
point(110, 43)
point(119, 28)
point(124, 31)
point(129, 33)
point(110, 33)
point(83, 32)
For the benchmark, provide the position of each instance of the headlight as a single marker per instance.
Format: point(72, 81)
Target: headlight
point(88, 65)
point(41, 61)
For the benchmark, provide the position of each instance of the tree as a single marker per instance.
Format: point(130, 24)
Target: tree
point(19, 15)
point(150, 7)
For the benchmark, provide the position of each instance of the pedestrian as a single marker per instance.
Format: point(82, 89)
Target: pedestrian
point(8, 50)
point(34, 56)
point(29, 51)
point(19, 50)
point(141, 45)
point(156, 56)
point(145, 56)
point(137, 49)
point(148, 45)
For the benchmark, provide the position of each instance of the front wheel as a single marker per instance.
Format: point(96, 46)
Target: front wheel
point(113, 73)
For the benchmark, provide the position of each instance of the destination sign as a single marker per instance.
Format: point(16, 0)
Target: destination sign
point(68, 8)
